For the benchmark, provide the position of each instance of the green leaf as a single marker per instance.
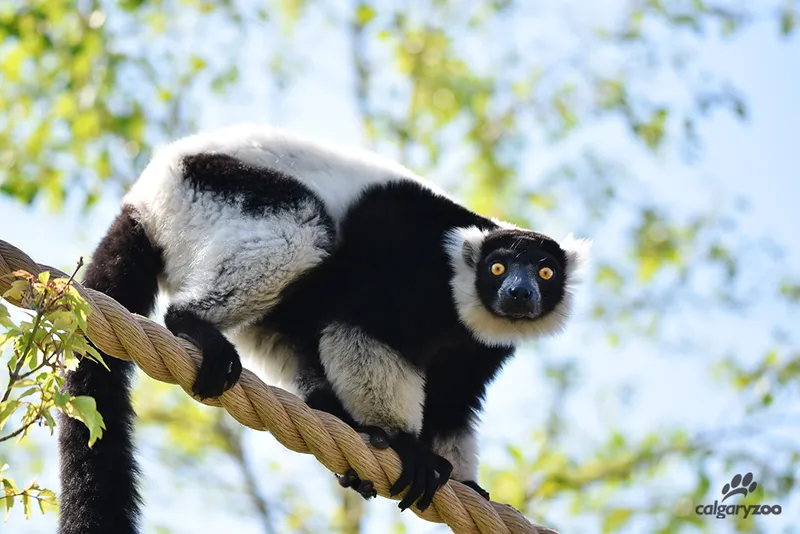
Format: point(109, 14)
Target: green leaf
point(60, 399)
point(198, 64)
point(788, 20)
point(5, 318)
point(616, 519)
point(51, 422)
point(44, 277)
point(24, 383)
point(8, 501)
point(62, 320)
point(364, 14)
point(8, 337)
point(27, 392)
point(47, 500)
point(26, 505)
point(17, 290)
point(80, 308)
point(7, 409)
point(10, 489)
point(81, 346)
point(84, 409)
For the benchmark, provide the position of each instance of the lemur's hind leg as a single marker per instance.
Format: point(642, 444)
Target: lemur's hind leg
point(380, 388)
point(234, 237)
point(317, 392)
point(461, 449)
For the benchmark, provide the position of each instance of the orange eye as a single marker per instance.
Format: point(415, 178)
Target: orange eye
point(498, 269)
point(546, 273)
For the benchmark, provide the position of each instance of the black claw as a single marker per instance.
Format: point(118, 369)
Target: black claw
point(406, 476)
point(423, 472)
point(348, 479)
point(474, 485)
point(365, 488)
point(417, 489)
point(445, 469)
point(427, 497)
point(234, 373)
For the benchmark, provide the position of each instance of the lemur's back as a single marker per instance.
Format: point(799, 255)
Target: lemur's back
point(217, 202)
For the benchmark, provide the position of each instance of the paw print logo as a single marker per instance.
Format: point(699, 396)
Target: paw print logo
point(740, 485)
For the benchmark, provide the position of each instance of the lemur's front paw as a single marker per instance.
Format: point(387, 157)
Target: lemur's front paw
point(474, 485)
point(220, 368)
point(365, 488)
point(423, 470)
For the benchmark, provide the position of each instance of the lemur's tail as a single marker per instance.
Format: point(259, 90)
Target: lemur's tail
point(98, 486)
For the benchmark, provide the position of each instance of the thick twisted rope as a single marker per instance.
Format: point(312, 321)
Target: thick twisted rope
point(162, 356)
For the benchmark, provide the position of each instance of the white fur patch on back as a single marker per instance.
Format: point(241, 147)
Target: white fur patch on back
point(337, 174)
point(462, 451)
point(229, 266)
point(374, 383)
point(463, 247)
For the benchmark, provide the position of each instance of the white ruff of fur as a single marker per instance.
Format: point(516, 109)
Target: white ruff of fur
point(498, 331)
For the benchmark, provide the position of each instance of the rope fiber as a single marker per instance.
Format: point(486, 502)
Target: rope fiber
point(166, 358)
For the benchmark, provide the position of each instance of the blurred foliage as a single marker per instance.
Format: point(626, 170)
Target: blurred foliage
point(466, 92)
point(81, 101)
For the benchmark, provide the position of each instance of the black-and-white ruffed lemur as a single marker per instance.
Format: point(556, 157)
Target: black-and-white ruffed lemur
point(371, 293)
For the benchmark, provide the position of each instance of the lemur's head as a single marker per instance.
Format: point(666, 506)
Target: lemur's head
point(511, 284)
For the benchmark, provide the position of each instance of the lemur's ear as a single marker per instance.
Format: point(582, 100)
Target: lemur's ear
point(471, 253)
point(466, 244)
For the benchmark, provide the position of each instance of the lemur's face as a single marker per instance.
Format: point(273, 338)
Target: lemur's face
point(520, 274)
point(510, 284)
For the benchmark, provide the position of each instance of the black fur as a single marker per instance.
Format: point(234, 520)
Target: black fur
point(221, 366)
point(390, 276)
point(256, 190)
point(319, 394)
point(98, 485)
point(456, 385)
point(423, 471)
point(474, 485)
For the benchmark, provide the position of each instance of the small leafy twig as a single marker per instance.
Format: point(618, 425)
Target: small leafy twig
point(43, 348)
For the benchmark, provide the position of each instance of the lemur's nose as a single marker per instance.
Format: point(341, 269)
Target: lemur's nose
point(520, 292)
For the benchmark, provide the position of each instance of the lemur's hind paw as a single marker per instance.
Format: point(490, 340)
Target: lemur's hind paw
point(365, 488)
point(378, 437)
point(474, 485)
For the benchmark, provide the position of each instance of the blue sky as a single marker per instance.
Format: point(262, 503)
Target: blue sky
point(757, 160)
